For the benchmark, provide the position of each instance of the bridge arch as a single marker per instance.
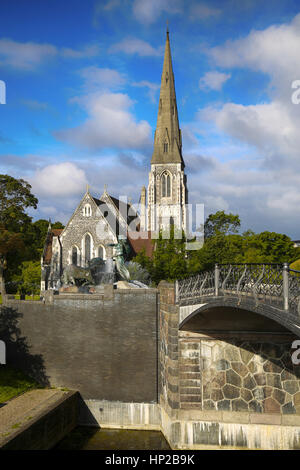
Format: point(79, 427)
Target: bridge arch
point(267, 312)
point(236, 359)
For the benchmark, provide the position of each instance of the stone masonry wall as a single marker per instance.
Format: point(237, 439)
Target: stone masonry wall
point(237, 375)
point(168, 353)
point(237, 372)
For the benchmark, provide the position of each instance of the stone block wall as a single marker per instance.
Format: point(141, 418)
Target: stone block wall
point(236, 371)
point(168, 353)
point(237, 375)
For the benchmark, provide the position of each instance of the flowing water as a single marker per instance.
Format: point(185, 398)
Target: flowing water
point(90, 438)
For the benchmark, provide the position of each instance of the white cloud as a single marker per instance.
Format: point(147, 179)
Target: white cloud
point(29, 55)
point(213, 80)
point(148, 11)
point(135, 46)
point(63, 179)
point(111, 4)
point(269, 127)
point(261, 180)
point(272, 127)
point(99, 7)
point(274, 49)
point(96, 78)
point(87, 51)
point(289, 202)
point(200, 11)
point(152, 88)
point(265, 200)
point(215, 203)
point(110, 124)
point(25, 55)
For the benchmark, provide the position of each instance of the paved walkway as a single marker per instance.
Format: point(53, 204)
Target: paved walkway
point(20, 410)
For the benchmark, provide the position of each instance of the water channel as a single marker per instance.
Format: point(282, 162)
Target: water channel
point(91, 438)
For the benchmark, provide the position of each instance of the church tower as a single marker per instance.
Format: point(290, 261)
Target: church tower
point(167, 190)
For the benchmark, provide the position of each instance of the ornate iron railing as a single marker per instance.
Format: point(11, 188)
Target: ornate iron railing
point(274, 284)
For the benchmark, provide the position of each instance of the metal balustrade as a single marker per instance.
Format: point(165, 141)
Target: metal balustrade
point(273, 284)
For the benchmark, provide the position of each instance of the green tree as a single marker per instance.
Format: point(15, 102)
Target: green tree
point(295, 265)
point(35, 237)
point(15, 198)
point(266, 247)
point(222, 245)
point(30, 277)
point(170, 257)
point(144, 260)
point(221, 223)
point(57, 224)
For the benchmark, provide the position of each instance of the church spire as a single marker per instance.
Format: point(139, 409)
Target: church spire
point(167, 139)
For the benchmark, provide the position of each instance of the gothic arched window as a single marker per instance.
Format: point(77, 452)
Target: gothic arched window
point(87, 210)
point(166, 185)
point(87, 248)
point(75, 255)
point(101, 252)
point(166, 147)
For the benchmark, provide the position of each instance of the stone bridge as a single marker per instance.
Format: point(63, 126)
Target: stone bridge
point(227, 339)
point(207, 360)
point(271, 290)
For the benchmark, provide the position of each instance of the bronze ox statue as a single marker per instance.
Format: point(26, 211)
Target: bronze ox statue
point(76, 275)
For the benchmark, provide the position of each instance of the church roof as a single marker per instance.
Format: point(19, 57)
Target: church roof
point(167, 139)
point(126, 210)
point(47, 253)
point(144, 241)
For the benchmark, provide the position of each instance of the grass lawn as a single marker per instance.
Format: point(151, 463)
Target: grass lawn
point(295, 265)
point(27, 297)
point(13, 382)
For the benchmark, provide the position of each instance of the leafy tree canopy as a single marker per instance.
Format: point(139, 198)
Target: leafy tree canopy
point(21, 239)
point(15, 197)
point(221, 223)
point(57, 225)
point(223, 245)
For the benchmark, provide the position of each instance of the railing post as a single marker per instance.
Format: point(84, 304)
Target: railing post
point(217, 277)
point(176, 291)
point(285, 280)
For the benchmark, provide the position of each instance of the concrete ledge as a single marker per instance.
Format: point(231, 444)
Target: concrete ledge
point(261, 418)
point(210, 434)
point(195, 429)
point(32, 422)
point(120, 415)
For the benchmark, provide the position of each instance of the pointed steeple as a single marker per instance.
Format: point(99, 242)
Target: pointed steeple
point(167, 139)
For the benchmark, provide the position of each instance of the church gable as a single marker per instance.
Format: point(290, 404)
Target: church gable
point(85, 209)
point(122, 212)
point(88, 233)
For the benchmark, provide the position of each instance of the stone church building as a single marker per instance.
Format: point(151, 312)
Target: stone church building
point(96, 224)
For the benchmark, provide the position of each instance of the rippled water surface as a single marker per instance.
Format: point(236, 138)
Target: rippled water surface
point(88, 438)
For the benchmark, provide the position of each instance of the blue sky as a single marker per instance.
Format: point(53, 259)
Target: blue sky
point(83, 79)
